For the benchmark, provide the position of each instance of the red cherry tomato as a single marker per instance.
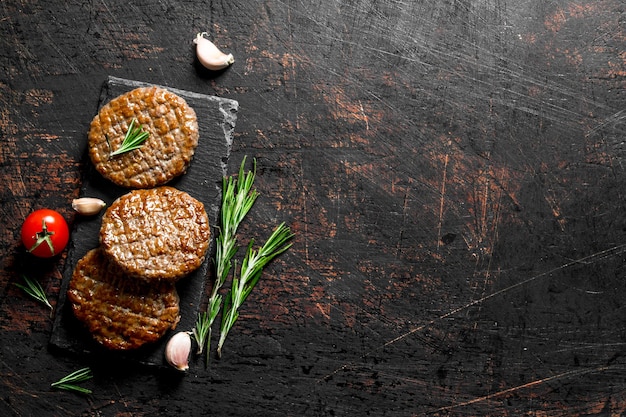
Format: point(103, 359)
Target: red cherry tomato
point(45, 233)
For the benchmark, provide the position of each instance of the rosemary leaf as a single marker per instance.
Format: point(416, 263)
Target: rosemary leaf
point(69, 382)
point(34, 289)
point(202, 331)
point(249, 274)
point(135, 137)
point(74, 388)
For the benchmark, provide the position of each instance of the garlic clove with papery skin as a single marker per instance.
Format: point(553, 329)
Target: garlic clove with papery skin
point(177, 351)
point(88, 206)
point(209, 55)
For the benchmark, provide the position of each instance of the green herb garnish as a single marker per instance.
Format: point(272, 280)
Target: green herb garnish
point(249, 274)
point(135, 137)
point(69, 382)
point(34, 289)
point(202, 330)
point(238, 197)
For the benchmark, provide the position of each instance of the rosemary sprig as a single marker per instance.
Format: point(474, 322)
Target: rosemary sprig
point(135, 137)
point(201, 331)
point(34, 289)
point(249, 274)
point(69, 382)
point(238, 197)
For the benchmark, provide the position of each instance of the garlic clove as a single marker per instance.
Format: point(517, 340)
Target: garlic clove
point(209, 55)
point(177, 351)
point(88, 206)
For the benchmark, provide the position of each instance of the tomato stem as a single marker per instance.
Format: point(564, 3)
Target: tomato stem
point(43, 236)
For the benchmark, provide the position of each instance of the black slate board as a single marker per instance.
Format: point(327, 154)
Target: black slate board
point(203, 179)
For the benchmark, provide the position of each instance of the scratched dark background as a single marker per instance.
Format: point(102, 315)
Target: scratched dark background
point(454, 172)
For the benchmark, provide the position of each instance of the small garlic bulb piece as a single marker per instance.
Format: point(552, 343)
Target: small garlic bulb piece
point(177, 351)
point(210, 55)
point(88, 206)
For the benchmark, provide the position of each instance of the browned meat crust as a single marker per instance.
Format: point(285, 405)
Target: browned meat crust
point(120, 312)
point(166, 153)
point(156, 234)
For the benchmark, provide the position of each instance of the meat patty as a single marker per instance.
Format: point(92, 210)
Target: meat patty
point(156, 234)
point(120, 312)
point(167, 152)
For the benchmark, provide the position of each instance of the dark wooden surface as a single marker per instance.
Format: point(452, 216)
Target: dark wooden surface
point(454, 171)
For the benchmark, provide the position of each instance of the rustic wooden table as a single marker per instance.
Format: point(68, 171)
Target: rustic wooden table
point(453, 170)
